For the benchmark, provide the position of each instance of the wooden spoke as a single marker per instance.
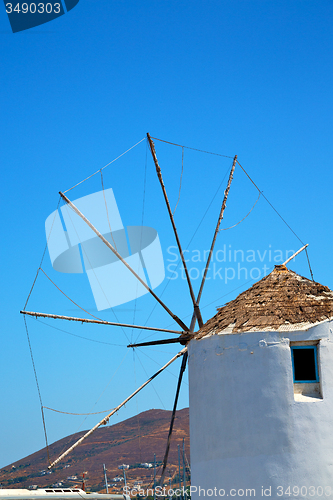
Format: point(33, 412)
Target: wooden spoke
point(98, 321)
point(106, 419)
point(159, 175)
point(77, 211)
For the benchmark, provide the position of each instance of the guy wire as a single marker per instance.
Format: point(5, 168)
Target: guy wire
point(38, 389)
point(41, 262)
point(193, 149)
point(299, 239)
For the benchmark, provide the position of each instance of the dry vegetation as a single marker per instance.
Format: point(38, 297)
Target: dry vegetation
point(133, 441)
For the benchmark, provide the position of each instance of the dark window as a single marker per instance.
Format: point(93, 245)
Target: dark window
point(305, 364)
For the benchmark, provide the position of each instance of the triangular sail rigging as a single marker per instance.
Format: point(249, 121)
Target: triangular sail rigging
point(186, 333)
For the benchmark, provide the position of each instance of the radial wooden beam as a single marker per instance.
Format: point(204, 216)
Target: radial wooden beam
point(97, 321)
point(296, 253)
point(180, 378)
point(105, 420)
point(77, 211)
point(182, 340)
point(223, 206)
point(159, 175)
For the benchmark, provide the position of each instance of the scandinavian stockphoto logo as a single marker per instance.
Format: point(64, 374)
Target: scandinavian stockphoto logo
point(74, 247)
point(25, 15)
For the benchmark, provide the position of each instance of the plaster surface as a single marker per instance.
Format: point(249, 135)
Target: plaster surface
point(247, 430)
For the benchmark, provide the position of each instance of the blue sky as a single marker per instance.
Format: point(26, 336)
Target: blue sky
point(252, 78)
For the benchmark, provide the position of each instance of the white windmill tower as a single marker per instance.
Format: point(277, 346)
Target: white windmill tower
point(261, 392)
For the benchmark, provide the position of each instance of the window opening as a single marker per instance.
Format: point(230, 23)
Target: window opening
point(307, 386)
point(305, 364)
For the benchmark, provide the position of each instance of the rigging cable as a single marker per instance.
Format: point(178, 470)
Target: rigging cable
point(80, 414)
point(137, 406)
point(225, 295)
point(28, 337)
point(231, 227)
point(41, 262)
point(38, 389)
point(109, 382)
point(87, 414)
point(40, 269)
point(189, 243)
point(79, 336)
point(93, 270)
point(151, 382)
point(104, 166)
point(107, 211)
point(234, 290)
point(96, 412)
point(193, 149)
point(141, 232)
point(299, 239)
point(180, 183)
point(142, 351)
point(82, 309)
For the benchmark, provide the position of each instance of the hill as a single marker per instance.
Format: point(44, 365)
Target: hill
point(132, 442)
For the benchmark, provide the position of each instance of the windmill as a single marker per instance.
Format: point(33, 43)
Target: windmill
point(184, 334)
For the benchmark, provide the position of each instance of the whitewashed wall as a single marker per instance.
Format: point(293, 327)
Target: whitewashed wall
point(246, 430)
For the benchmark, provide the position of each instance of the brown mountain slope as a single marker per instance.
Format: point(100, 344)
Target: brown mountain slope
point(133, 441)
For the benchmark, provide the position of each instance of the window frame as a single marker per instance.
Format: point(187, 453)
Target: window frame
point(314, 347)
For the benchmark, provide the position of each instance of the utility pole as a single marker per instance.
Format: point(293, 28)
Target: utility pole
point(154, 476)
point(124, 478)
point(106, 481)
point(184, 467)
point(180, 477)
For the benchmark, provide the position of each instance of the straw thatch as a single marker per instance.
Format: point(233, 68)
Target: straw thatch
point(283, 300)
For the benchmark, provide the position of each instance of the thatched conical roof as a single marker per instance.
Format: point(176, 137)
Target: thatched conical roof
point(283, 300)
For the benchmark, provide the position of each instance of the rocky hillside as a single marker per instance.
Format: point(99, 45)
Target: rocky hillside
point(132, 442)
